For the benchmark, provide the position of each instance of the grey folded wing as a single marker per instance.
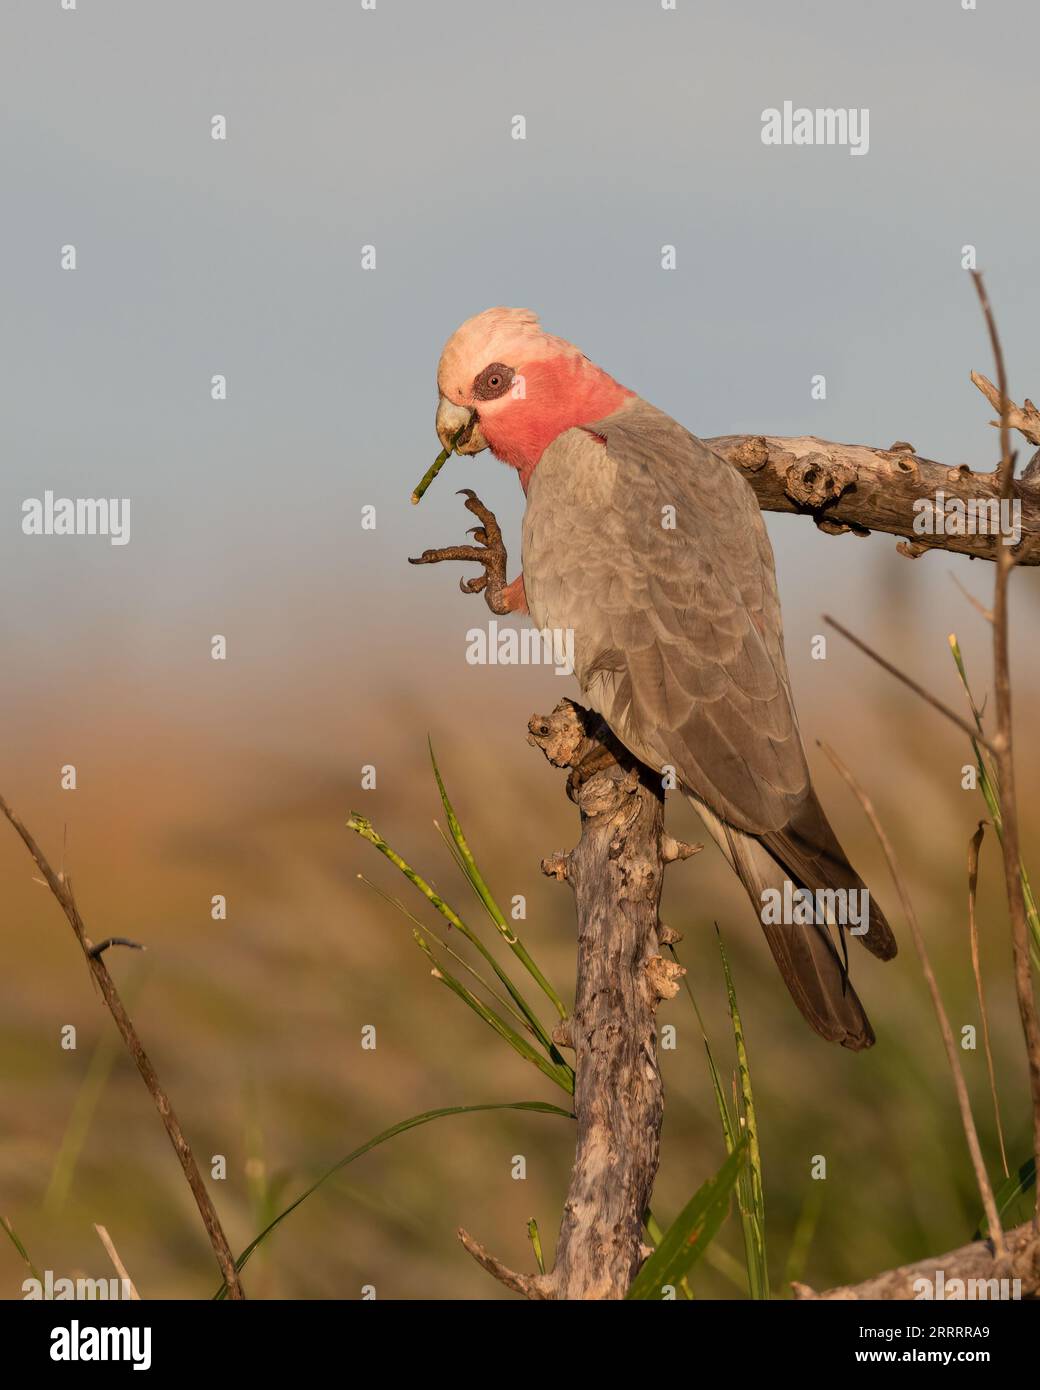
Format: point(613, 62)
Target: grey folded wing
point(653, 549)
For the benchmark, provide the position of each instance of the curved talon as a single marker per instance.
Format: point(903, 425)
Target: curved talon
point(489, 552)
point(448, 552)
point(476, 506)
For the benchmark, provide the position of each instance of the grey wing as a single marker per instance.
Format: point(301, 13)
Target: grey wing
point(677, 630)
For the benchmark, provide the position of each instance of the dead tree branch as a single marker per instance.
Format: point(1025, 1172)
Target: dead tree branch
point(934, 1277)
point(857, 488)
point(615, 871)
point(61, 887)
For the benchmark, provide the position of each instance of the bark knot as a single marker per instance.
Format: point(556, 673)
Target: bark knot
point(814, 480)
point(751, 453)
point(664, 976)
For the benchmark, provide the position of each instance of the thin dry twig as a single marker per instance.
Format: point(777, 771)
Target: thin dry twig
point(61, 887)
point(979, 607)
point(974, 844)
point(1024, 418)
point(972, 732)
point(1003, 752)
point(967, 1120)
point(113, 1255)
point(102, 946)
point(530, 1285)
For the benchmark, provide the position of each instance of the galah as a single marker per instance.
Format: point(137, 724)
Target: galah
point(652, 550)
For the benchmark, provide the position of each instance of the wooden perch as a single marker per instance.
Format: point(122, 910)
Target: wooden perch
point(853, 487)
point(970, 1262)
point(616, 871)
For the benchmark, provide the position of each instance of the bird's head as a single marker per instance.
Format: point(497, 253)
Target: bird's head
point(513, 388)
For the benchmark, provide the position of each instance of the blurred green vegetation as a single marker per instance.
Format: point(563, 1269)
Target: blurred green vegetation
point(256, 1024)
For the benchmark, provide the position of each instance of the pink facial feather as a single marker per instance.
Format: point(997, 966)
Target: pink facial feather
point(561, 387)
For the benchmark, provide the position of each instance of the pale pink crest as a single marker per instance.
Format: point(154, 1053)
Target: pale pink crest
point(512, 336)
point(558, 387)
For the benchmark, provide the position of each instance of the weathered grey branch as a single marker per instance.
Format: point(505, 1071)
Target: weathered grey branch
point(616, 871)
point(853, 487)
point(971, 1262)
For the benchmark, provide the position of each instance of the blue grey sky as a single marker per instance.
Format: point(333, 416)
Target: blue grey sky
point(391, 127)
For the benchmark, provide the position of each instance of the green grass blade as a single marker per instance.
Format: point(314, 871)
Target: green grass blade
point(451, 847)
point(413, 1122)
point(482, 891)
point(16, 1242)
point(804, 1230)
point(535, 1238)
point(990, 788)
point(729, 1128)
point(731, 1134)
point(734, 1271)
point(442, 945)
point(1021, 1182)
point(560, 1073)
point(691, 1232)
point(88, 1097)
point(367, 831)
point(750, 1193)
point(654, 1231)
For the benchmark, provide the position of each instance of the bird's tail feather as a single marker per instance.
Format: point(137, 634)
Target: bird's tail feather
point(808, 849)
point(805, 953)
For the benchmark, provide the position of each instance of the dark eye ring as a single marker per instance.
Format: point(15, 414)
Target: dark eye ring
point(493, 381)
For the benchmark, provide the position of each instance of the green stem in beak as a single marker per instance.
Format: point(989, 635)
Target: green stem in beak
point(436, 466)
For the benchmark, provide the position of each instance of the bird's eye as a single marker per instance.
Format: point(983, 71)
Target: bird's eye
point(493, 381)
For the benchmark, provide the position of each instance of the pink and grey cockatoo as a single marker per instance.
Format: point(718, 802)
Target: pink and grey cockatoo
point(678, 642)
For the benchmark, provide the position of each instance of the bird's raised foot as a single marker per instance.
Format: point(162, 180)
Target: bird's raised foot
point(489, 551)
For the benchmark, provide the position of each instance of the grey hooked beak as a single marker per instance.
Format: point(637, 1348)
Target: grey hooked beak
point(450, 419)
